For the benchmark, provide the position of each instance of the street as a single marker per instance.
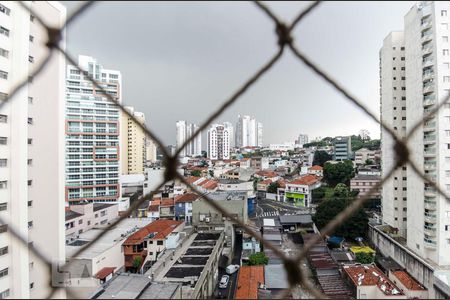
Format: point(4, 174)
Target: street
point(228, 292)
point(271, 208)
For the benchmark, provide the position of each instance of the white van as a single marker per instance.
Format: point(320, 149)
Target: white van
point(232, 268)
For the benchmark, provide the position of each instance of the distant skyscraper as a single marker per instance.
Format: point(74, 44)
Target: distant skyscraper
point(92, 141)
point(32, 136)
point(248, 132)
point(133, 147)
point(184, 132)
point(150, 150)
point(302, 139)
point(218, 142)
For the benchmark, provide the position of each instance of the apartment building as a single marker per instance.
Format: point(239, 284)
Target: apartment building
point(31, 148)
point(92, 133)
point(184, 131)
point(342, 148)
point(132, 142)
point(249, 132)
point(219, 142)
point(363, 155)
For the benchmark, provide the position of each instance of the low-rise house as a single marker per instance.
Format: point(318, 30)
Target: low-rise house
point(250, 246)
point(183, 207)
point(148, 242)
point(234, 185)
point(299, 191)
point(363, 183)
point(259, 163)
point(369, 282)
point(167, 208)
point(316, 170)
point(266, 174)
point(408, 285)
point(363, 155)
point(84, 216)
point(249, 280)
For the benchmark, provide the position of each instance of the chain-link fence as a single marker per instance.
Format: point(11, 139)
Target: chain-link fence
point(286, 42)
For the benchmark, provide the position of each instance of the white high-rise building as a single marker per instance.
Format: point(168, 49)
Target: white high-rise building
point(249, 132)
point(415, 75)
point(230, 128)
point(184, 132)
point(219, 142)
point(302, 139)
point(92, 141)
point(31, 149)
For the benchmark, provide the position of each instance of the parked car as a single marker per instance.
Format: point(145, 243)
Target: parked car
point(232, 268)
point(224, 282)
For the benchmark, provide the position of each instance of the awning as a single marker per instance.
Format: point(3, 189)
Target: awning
point(103, 273)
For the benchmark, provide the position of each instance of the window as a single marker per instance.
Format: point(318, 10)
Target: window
point(4, 294)
point(3, 140)
point(4, 250)
point(4, 31)
point(3, 162)
point(402, 58)
point(446, 65)
point(403, 108)
point(394, 78)
point(394, 68)
point(4, 272)
point(30, 100)
point(393, 58)
point(32, 18)
point(4, 52)
point(31, 38)
point(447, 227)
point(404, 208)
point(446, 78)
point(31, 59)
point(444, 26)
point(30, 224)
point(403, 98)
point(159, 242)
point(445, 39)
point(3, 206)
point(443, 13)
point(30, 121)
point(5, 10)
point(30, 203)
point(447, 214)
point(3, 184)
point(402, 48)
point(404, 219)
point(30, 161)
point(3, 228)
point(445, 52)
point(30, 141)
point(3, 74)
point(30, 182)
point(31, 285)
point(3, 96)
point(80, 221)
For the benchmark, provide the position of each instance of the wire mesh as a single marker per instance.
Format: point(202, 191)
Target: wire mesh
point(296, 276)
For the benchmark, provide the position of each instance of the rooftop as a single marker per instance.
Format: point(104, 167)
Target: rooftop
point(295, 219)
point(156, 230)
point(249, 279)
point(192, 179)
point(370, 275)
point(275, 277)
point(188, 197)
point(315, 168)
point(231, 181)
point(366, 177)
point(409, 282)
point(167, 202)
point(228, 195)
point(70, 214)
point(305, 180)
point(158, 290)
point(100, 206)
point(125, 286)
point(266, 173)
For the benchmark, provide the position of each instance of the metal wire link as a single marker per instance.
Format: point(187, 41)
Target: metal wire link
point(296, 275)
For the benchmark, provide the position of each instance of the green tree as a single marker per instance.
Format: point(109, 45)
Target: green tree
point(273, 188)
point(137, 262)
point(341, 191)
point(340, 172)
point(318, 194)
point(196, 173)
point(320, 157)
point(364, 258)
point(354, 226)
point(258, 258)
point(368, 162)
point(255, 183)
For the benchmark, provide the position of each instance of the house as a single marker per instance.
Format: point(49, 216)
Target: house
point(183, 207)
point(249, 280)
point(148, 242)
point(299, 191)
point(369, 282)
point(316, 170)
point(262, 186)
point(408, 285)
point(167, 208)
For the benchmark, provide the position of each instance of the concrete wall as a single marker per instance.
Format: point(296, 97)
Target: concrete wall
point(418, 294)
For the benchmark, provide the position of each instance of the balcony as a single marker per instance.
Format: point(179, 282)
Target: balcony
point(429, 152)
point(430, 192)
point(430, 218)
point(427, 37)
point(431, 177)
point(427, 62)
point(426, 24)
point(428, 88)
point(429, 166)
point(430, 205)
point(429, 231)
point(429, 139)
point(427, 76)
point(429, 102)
point(429, 126)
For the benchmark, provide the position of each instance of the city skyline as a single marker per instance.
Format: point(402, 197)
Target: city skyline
point(167, 63)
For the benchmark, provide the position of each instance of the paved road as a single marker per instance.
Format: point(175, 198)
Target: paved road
point(270, 208)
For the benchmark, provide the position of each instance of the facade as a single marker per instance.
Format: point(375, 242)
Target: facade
point(363, 183)
point(230, 128)
point(219, 142)
point(302, 139)
point(315, 170)
point(259, 163)
point(151, 154)
point(132, 143)
point(184, 131)
point(249, 132)
point(92, 133)
point(424, 50)
point(342, 148)
point(183, 207)
point(362, 155)
point(31, 148)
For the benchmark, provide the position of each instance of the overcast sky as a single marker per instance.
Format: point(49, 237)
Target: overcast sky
point(180, 61)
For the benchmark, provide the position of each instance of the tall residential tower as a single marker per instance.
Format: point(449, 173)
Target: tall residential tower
point(184, 132)
point(218, 142)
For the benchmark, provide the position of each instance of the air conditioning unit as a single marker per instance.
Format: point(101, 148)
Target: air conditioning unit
point(207, 220)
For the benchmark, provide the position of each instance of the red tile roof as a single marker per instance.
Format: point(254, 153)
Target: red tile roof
point(188, 197)
point(305, 180)
point(266, 173)
point(192, 179)
point(267, 181)
point(160, 228)
point(247, 282)
point(210, 185)
point(370, 275)
point(153, 208)
point(103, 273)
point(315, 168)
point(167, 202)
point(155, 201)
point(281, 183)
point(409, 282)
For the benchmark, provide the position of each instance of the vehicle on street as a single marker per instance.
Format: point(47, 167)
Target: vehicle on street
point(232, 268)
point(224, 282)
